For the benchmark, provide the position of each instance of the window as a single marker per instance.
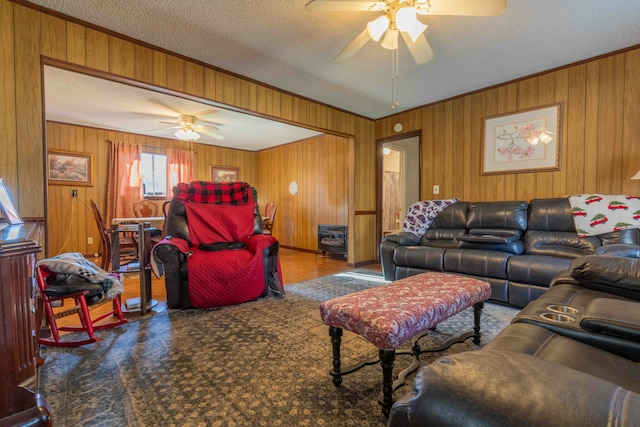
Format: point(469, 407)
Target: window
point(153, 168)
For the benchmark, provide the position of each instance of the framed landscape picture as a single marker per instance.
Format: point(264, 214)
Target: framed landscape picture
point(526, 141)
point(224, 174)
point(68, 168)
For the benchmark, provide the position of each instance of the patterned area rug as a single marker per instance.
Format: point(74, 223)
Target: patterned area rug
point(264, 362)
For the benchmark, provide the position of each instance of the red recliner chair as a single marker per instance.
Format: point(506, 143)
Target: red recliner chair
point(215, 253)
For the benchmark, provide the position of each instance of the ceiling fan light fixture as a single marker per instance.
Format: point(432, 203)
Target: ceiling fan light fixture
point(377, 27)
point(187, 135)
point(390, 40)
point(407, 21)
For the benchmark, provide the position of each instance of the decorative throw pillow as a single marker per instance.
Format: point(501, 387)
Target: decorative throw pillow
point(596, 214)
point(421, 214)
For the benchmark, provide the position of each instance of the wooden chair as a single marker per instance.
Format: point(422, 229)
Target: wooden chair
point(128, 244)
point(145, 209)
point(267, 219)
point(81, 308)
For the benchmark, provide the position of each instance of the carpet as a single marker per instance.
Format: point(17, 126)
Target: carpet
point(262, 363)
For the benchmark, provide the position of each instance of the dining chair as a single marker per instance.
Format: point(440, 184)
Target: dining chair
point(128, 244)
point(145, 208)
point(267, 219)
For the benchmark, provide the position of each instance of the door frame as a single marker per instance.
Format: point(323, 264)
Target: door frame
point(379, 176)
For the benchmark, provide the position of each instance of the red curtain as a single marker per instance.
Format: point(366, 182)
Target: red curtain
point(179, 168)
point(125, 181)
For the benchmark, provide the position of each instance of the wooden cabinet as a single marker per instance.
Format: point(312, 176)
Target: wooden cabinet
point(20, 404)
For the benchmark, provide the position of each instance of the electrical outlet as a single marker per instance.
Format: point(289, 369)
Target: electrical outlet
point(74, 193)
point(90, 240)
point(436, 189)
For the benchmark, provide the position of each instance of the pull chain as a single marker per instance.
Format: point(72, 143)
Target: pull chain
point(394, 79)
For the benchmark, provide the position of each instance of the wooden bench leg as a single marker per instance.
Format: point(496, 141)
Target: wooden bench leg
point(387, 362)
point(477, 311)
point(336, 340)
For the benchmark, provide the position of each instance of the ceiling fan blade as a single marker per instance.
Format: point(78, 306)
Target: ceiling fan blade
point(201, 126)
point(420, 49)
point(209, 124)
point(211, 134)
point(164, 128)
point(338, 5)
point(353, 47)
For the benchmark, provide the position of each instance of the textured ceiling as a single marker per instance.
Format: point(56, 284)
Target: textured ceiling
point(277, 42)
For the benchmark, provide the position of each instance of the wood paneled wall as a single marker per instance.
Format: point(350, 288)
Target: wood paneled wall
point(28, 33)
point(600, 146)
point(600, 150)
point(71, 220)
point(319, 166)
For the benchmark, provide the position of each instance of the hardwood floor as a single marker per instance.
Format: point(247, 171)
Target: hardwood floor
point(296, 267)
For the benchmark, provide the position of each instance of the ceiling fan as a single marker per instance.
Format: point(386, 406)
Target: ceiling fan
point(400, 18)
point(190, 128)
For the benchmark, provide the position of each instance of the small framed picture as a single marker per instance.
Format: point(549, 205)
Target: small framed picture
point(8, 208)
point(67, 168)
point(224, 174)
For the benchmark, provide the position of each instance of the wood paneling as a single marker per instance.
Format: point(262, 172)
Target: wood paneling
point(70, 220)
point(28, 34)
point(600, 149)
point(320, 167)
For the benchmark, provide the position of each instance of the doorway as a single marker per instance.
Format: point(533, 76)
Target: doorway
point(399, 180)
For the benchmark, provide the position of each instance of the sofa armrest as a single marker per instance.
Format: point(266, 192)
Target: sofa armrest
point(172, 258)
point(403, 238)
point(613, 274)
point(487, 388)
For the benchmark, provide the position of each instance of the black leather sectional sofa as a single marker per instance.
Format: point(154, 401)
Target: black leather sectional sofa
point(569, 358)
point(517, 246)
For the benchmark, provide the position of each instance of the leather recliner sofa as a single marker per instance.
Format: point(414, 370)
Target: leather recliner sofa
point(570, 358)
point(516, 246)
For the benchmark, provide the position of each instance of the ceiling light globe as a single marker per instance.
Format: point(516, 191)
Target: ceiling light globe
point(377, 27)
point(390, 40)
point(405, 18)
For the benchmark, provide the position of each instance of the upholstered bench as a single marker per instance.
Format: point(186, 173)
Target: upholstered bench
point(389, 315)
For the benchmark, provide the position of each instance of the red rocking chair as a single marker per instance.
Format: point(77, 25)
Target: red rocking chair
point(81, 308)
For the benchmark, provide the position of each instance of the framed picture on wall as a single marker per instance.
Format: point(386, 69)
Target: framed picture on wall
point(68, 168)
point(526, 141)
point(8, 208)
point(224, 174)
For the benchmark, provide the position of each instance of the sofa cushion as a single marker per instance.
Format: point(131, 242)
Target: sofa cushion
point(476, 262)
point(423, 257)
point(559, 243)
point(550, 215)
point(504, 215)
point(536, 270)
point(453, 216)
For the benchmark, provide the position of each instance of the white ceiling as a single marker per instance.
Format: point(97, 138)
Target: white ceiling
point(279, 43)
point(90, 101)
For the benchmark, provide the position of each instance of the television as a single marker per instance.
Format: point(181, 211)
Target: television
point(8, 208)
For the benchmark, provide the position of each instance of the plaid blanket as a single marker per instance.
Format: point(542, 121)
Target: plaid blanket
point(220, 193)
point(74, 263)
